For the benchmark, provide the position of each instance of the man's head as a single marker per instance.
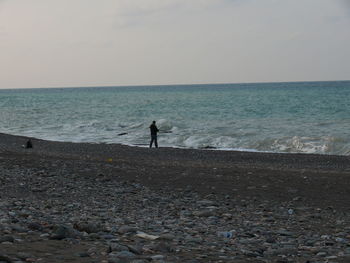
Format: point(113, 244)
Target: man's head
point(154, 122)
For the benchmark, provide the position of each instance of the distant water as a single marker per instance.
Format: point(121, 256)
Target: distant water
point(305, 117)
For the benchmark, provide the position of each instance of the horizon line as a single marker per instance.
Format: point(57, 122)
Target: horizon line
point(180, 84)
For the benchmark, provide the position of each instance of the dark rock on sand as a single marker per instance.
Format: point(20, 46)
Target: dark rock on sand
point(63, 231)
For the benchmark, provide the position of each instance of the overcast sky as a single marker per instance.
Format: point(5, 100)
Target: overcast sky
point(60, 43)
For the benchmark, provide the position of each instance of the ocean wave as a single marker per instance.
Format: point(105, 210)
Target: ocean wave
point(177, 134)
point(265, 118)
point(293, 144)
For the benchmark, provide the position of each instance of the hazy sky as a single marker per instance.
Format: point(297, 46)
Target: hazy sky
point(58, 43)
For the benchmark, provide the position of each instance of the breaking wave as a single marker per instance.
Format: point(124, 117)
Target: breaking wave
point(289, 117)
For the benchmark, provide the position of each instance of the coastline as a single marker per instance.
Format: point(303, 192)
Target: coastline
point(200, 192)
point(146, 145)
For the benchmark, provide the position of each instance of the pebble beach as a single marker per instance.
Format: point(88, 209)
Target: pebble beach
point(109, 203)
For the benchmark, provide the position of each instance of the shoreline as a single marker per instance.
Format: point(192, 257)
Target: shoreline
point(208, 148)
point(80, 202)
point(146, 145)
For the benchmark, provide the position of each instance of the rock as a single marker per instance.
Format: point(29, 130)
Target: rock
point(331, 257)
point(117, 260)
point(205, 202)
point(62, 232)
point(126, 229)
point(108, 236)
point(83, 255)
point(167, 236)
point(321, 254)
point(271, 240)
point(136, 249)
point(45, 235)
point(24, 256)
point(115, 247)
point(310, 243)
point(341, 240)
point(196, 240)
point(250, 253)
point(94, 236)
point(283, 232)
point(280, 251)
point(6, 243)
point(7, 238)
point(204, 213)
point(19, 229)
point(146, 236)
point(157, 257)
point(35, 226)
point(88, 227)
point(329, 243)
point(163, 247)
point(123, 255)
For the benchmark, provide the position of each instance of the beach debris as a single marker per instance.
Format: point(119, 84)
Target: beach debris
point(165, 131)
point(208, 147)
point(146, 236)
point(123, 133)
point(290, 211)
point(298, 198)
point(225, 234)
point(109, 160)
point(28, 145)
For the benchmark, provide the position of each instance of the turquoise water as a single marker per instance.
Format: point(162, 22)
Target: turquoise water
point(306, 117)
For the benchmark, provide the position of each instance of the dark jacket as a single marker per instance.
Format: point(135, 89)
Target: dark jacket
point(153, 129)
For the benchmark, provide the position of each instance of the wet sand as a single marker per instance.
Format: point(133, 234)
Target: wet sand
point(314, 188)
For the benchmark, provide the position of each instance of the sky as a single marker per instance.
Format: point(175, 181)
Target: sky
point(72, 43)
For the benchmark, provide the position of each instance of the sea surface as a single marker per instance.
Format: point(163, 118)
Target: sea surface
point(302, 117)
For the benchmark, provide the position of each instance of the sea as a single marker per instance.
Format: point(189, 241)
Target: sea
point(297, 117)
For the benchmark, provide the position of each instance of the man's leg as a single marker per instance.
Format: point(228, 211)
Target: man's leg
point(150, 144)
point(155, 141)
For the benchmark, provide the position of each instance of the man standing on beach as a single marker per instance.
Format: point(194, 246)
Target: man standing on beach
point(154, 131)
